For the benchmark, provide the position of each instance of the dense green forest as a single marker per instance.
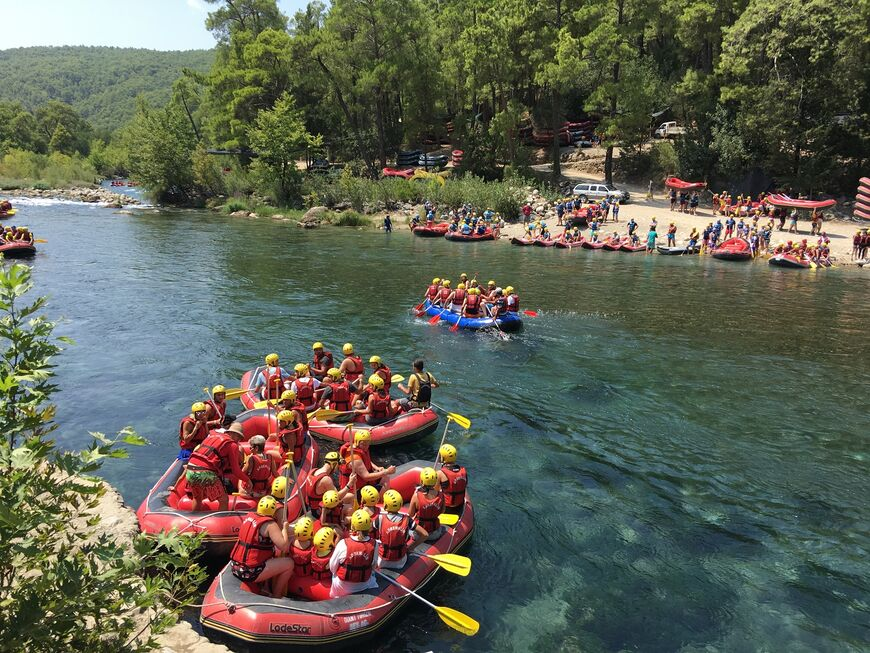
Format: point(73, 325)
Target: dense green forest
point(101, 84)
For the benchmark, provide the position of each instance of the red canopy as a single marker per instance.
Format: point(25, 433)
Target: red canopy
point(679, 184)
point(785, 200)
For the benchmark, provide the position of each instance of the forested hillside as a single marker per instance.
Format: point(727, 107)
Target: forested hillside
point(100, 83)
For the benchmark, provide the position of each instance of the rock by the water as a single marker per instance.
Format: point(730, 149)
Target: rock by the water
point(313, 217)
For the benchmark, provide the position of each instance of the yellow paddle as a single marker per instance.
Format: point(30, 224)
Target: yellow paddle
point(265, 404)
point(40, 240)
point(453, 618)
point(457, 564)
point(326, 414)
point(464, 422)
point(235, 393)
point(448, 519)
point(397, 378)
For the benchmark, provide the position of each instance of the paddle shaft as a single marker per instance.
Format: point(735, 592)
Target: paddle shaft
point(407, 589)
point(443, 437)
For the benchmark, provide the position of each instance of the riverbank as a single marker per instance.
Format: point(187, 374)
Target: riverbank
point(85, 194)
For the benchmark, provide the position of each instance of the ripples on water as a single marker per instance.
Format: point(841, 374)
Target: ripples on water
point(673, 456)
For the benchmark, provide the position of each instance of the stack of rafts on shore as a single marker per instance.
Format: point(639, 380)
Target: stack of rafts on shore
point(862, 199)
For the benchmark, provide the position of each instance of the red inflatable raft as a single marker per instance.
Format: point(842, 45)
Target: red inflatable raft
point(626, 246)
point(612, 244)
point(17, 249)
point(235, 611)
point(396, 172)
point(789, 261)
point(735, 249)
point(435, 230)
point(469, 238)
point(679, 184)
point(785, 200)
point(522, 242)
point(569, 245)
point(409, 426)
point(167, 505)
point(588, 244)
point(540, 242)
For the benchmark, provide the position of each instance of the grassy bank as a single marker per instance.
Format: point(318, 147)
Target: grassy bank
point(22, 169)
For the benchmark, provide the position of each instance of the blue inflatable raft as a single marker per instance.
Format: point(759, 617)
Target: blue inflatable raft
point(507, 322)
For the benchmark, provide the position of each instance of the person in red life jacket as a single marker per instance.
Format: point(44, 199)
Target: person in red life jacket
point(253, 556)
point(360, 463)
point(322, 361)
point(272, 379)
point(473, 303)
point(444, 294)
point(368, 501)
point(305, 387)
point(291, 436)
point(512, 300)
point(433, 290)
point(352, 366)
point(324, 544)
point(337, 394)
point(380, 407)
point(397, 533)
point(260, 468)
point(488, 294)
point(452, 478)
point(458, 298)
point(319, 482)
point(354, 559)
point(289, 402)
point(382, 371)
point(216, 409)
point(419, 388)
point(206, 465)
point(427, 503)
point(279, 491)
point(301, 548)
point(192, 429)
point(499, 304)
point(333, 511)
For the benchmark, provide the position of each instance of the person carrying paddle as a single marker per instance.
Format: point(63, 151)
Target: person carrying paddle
point(319, 482)
point(192, 430)
point(419, 388)
point(498, 306)
point(354, 559)
point(291, 436)
point(337, 393)
point(382, 371)
point(444, 294)
point(473, 303)
point(458, 298)
point(352, 365)
point(322, 361)
point(433, 290)
point(452, 478)
point(398, 533)
point(360, 463)
point(272, 379)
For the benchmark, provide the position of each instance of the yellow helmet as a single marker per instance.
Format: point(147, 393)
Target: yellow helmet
point(509, 289)
point(285, 416)
point(436, 280)
point(334, 373)
point(317, 345)
point(218, 389)
point(463, 276)
point(447, 453)
point(446, 283)
point(361, 521)
point(473, 282)
point(362, 436)
point(288, 395)
point(369, 495)
point(272, 359)
point(304, 528)
point(428, 477)
point(375, 359)
point(461, 286)
point(332, 458)
point(300, 368)
point(376, 381)
point(392, 501)
point(330, 499)
point(279, 487)
point(324, 539)
point(267, 506)
point(347, 349)
point(197, 407)
point(490, 283)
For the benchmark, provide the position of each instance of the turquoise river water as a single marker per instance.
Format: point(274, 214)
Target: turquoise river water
point(672, 457)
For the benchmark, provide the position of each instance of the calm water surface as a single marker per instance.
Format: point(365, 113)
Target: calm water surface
point(672, 457)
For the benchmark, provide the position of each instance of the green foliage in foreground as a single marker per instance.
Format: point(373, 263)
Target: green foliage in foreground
point(64, 585)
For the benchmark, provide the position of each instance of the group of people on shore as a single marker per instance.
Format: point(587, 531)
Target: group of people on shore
point(471, 299)
point(683, 202)
point(860, 244)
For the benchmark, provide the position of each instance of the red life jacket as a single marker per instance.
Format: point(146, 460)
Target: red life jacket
point(457, 481)
point(200, 432)
point(320, 567)
point(353, 375)
point(293, 437)
point(429, 509)
point(301, 560)
point(253, 549)
point(274, 382)
point(305, 392)
point(393, 536)
point(432, 292)
point(443, 294)
point(302, 413)
point(459, 296)
point(211, 454)
point(381, 406)
point(515, 307)
point(315, 499)
point(319, 359)
point(261, 474)
point(331, 516)
point(472, 305)
point(220, 409)
point(386, 375)
point(357, 564)
point(340, 397)
point(344, 467)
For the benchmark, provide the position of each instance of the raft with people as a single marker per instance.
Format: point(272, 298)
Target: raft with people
point(544, 242)
point(628, 246)
point(169, 504)
point(522, 242)
point(509, 321)
point(17, 248)
point(590, 244)
point(569, 244)
point(313, 615)
point(459, 237)
point(790, 261)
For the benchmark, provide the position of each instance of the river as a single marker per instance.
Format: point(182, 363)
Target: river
point(672, 457)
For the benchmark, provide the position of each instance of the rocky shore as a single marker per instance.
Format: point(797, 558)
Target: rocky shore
point(87, 194)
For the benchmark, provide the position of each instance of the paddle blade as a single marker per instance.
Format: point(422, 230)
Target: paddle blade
point(235, 393)
point(265, 404)
point(455, 327)
point(452, 562)
point(458, 620)
point(419, 306)
point(530, 313)
point(448, 519)
point(464, 422)
point(435, 319)
point(325, 414)
point(397, 378)
point(40, 240)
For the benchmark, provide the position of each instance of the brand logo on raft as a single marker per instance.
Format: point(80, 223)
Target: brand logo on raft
point(295, 629)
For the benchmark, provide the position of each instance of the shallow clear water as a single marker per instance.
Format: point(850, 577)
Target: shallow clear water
point(673, 456)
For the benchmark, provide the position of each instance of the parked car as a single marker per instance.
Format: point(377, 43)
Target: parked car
point(669, 130)
point(586, 192)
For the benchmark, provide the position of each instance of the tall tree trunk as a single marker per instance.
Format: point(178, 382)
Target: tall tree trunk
point(608, 157)
point(379, 123)
point(556, 149)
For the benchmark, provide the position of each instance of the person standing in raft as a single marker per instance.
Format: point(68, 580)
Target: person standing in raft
point(428, 503)
point(192, 430)
point(253, 556)
point(217, 452)
point(352, 365)
point(367, 473)
point(452, 478)
point(319, 482)
point(354, 559)
point(322, 361)
point(259, 467)
point(216, 409)
point(272, 379)
point(419, 388)
point(382, 371)
point(398, 533)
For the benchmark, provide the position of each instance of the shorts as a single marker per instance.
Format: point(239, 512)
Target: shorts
point(247, 574)
point(205, 485)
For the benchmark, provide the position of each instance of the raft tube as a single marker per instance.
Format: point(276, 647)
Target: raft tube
point(17, 249)
point(437, 230)
point(674, 251)
point(588, 244)
point(734, 249)
point(611, 245)
point(167, 504)
point(405, 427)
point(8, 214)
point(507, 322)
point(628, 247)
point(540, 242)
point(788, 261)
point(566, 245)
point(237, 612)
point(469, 238)
point(522, 242)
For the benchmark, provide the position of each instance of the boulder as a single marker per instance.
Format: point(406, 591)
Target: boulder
point(313, 217)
